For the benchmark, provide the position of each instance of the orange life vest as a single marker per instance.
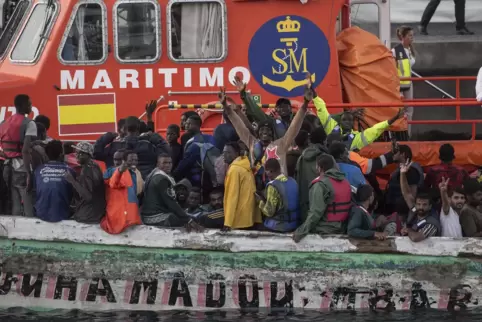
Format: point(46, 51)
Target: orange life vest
point(339, 209)
point(12, 134)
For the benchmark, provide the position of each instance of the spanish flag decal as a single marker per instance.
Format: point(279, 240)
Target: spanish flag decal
point(86, 114)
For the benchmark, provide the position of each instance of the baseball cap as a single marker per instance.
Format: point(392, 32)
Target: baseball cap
point(85, 147)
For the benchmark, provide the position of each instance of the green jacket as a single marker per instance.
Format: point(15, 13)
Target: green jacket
point(305, 173)
point(255, 113)
point(321, 195)
point(360, 225)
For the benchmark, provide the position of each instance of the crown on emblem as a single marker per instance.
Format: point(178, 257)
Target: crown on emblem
point(288, 25)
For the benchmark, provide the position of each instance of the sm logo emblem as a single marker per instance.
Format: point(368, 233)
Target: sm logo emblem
point(283, 50)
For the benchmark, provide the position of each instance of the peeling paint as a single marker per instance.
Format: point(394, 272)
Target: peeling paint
point(235, 241)
point(90, 277)
point(70, 265)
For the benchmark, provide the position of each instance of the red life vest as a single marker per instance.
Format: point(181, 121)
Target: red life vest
point(339, 209)
point(12, 134)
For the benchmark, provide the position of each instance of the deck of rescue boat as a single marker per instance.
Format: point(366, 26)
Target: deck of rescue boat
point(442, 51)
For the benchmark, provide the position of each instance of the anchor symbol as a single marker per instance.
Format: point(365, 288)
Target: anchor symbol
point(288, 83)
point(291, 27)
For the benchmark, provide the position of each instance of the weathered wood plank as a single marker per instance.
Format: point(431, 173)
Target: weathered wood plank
point(235, 241)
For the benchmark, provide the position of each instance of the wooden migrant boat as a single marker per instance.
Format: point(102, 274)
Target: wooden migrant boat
point(69, 265)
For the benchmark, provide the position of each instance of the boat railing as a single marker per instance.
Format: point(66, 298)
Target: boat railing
point(431, 84)
point(416, 103)
point(432, 79)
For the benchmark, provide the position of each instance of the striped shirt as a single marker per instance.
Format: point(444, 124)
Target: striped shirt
point(421, 225)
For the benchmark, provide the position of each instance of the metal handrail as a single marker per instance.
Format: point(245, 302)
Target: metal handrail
point(433, 85)
point(414, 103)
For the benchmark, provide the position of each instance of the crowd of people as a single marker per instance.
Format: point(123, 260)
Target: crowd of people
point(288, 172)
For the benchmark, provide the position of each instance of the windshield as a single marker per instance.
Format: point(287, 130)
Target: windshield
point(34, 35)
point(13, 23)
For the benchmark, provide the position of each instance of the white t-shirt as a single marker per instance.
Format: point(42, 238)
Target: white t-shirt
point(409, 54)
point(450, 224)
point(478, 86)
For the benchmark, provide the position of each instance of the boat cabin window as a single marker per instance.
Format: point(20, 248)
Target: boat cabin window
point(13, 18)
point(137, 31)
point(85, 39)
point(34, 35)
point(197, 31)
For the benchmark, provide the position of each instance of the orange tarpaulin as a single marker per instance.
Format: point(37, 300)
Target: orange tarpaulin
point(368, 74)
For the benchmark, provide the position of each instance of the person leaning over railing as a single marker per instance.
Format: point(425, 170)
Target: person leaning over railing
point(362, 223)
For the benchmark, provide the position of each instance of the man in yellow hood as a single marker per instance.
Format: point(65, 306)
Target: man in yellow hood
point(240, 208)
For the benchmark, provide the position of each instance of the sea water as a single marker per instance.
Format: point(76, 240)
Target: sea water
point(422, 315)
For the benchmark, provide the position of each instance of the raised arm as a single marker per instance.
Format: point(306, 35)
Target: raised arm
point(294, 128)
point(443, 185)
point(406, 192)
point(371, 134)
point(287, 140)
point(253, 110)
point(119, 179)
point(326, 119)
point(238, 124)
point(245, 120)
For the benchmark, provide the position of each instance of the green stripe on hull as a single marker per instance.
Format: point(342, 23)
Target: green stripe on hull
point(17, 254)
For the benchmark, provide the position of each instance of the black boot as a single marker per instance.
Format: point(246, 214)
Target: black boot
point(464, 31)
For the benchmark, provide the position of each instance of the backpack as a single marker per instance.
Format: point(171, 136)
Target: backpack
point(208, 155)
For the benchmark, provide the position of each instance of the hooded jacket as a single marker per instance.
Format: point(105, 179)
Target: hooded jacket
point(305, 173)
point(240, 208)
point(190, 164)
point(321, 195)
point(147, 146)
point(122, 204)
